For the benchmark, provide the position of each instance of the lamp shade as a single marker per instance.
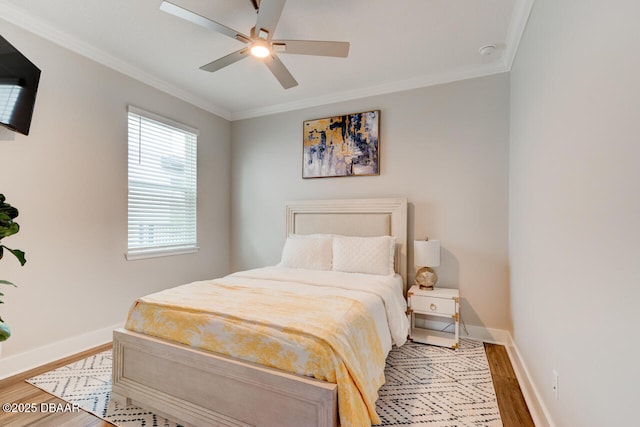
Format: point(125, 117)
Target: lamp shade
point(426, 253)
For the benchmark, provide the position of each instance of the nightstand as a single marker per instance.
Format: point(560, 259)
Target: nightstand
point(430, 312)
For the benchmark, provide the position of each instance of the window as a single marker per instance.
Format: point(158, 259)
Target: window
point(162, 186)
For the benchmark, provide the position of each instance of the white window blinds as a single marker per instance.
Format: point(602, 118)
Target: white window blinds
point(162, 186)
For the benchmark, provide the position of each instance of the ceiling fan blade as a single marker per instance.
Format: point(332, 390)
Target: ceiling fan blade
point(280, 71)
point(226, 60)
point(312, 47)
point(268, 17)
point(193, 17)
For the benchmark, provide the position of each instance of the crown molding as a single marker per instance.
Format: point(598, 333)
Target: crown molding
point(20, 18)
point(519, 19)
point(387, 88)
point(518, 22)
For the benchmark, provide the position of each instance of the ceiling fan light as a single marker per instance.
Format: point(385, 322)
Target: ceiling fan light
point(260, 51)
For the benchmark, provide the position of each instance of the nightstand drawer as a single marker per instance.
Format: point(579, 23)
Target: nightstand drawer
point(427, 305)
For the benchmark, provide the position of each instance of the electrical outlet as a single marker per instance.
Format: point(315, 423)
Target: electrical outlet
point(555, 385)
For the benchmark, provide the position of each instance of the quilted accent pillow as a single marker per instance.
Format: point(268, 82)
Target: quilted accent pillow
point(370, 255)
point(311, 253)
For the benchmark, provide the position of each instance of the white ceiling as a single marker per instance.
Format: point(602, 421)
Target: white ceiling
point(395, 45)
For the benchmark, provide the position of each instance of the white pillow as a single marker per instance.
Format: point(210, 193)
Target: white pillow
point(371, 255)
point(311, 253)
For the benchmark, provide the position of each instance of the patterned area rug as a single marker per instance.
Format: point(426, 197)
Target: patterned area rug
point(426, 386)
point(435, 386)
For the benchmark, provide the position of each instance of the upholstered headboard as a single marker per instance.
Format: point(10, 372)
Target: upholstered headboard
point(353, 217)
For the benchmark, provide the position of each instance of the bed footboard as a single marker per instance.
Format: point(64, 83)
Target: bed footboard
point(199, 388)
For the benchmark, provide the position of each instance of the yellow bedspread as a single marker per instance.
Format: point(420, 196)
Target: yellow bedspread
point(329, 338)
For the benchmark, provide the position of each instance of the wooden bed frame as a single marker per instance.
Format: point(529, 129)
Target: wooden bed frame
point(200, 388)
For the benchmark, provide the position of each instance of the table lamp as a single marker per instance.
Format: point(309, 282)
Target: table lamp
point(426, 254)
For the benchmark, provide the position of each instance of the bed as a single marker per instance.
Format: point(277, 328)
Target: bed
point(195, 385)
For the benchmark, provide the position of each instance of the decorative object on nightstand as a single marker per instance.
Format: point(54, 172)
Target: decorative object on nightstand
point(426, 254)
point(432, 309)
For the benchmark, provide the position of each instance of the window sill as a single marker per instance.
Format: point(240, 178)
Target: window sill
point(156, 253)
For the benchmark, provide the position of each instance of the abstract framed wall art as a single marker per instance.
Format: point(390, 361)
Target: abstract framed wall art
point(345, 145)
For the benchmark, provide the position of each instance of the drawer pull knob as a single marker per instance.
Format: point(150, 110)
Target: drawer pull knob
point(433, 307)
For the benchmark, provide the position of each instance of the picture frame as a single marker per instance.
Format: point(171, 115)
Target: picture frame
point(345, 145)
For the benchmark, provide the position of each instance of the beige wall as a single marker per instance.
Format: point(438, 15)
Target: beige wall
point(442, 147)
point(68, 178)
point(575, 206)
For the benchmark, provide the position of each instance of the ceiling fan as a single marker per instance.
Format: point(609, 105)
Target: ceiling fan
point(260, 43)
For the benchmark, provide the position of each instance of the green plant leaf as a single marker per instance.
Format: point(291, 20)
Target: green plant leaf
point(7, 214)
point(7, 228)
point(17, 253)
point(5, 332)
point(7, 209)
point(6, 282)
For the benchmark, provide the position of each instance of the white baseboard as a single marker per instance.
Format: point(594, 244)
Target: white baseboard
point(27, 360)
point(493, 336)
point(530, 393)
point(539, 413)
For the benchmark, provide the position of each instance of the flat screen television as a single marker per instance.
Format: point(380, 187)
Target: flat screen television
point(19, 79)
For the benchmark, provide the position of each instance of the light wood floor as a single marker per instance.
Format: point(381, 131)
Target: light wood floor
point(513, 408)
